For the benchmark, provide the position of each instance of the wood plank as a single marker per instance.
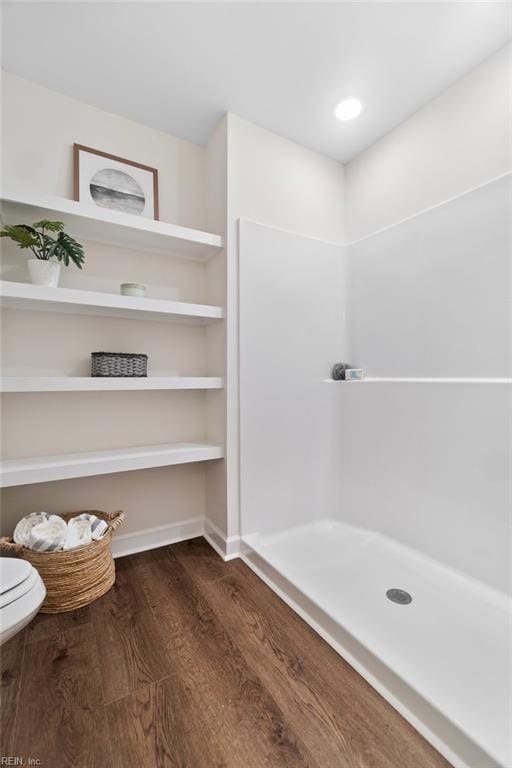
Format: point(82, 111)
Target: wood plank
point(201, 560)
point(45, 625)
point(130, 640)
point(160, 569)
point(202, 666)
point(229, 696)
point(317, 690)
point(61, 719)
point(11, 658)
point(160, 725)
point(285, 672)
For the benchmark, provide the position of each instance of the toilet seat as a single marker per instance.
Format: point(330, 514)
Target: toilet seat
point(10, 595)
point(13, 572)
point(21, 594)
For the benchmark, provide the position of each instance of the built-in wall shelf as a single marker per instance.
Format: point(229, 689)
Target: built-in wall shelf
point(48, 468)
point(36, 297)
point(113, 227)
point(106, 384)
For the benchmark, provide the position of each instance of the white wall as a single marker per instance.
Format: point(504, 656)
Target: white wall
point(429, 463)
point(290, 316)
point(280, 183)
point(430, 297)
point(425, 463)
point(455, 142)
point(151, 498)
point(216, 335)
point(244, 171)
point(39, 128)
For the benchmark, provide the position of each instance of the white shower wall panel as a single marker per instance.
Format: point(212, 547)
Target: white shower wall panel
point(352, 488)
point(292, 316)
point(428, 465)
point(431, 296)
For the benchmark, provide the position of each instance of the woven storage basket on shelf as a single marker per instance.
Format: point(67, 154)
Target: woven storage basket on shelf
point(118, 364)
point(73, 577)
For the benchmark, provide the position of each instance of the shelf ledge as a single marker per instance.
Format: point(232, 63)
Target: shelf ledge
point(113, 227)
point(106, 384)
point(44, 469)
point(72, 301)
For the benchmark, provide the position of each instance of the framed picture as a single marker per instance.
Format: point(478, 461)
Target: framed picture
point(114, 182)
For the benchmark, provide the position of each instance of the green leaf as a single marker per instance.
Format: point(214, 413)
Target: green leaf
point(67, 249)
point(52, 226)
point(22, 234)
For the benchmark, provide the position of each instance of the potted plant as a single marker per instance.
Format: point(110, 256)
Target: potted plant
point(50, 250)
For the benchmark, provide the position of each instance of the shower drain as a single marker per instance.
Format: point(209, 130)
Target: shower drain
point(399, 596)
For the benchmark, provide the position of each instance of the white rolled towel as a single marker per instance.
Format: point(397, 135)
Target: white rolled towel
point(83, 529)
point(48, 536)
point(22, 531)
point(98, 526)
point(44, 533)
point(78, 533)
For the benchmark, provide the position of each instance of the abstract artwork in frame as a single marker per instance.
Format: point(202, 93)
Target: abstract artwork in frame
point(113, 182)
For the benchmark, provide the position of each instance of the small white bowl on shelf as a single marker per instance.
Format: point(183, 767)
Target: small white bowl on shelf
point(133, 289)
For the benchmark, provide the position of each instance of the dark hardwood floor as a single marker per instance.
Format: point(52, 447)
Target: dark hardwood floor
point(190, 662)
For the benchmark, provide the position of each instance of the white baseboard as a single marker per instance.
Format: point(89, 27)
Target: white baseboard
point(151, 538)
point(228, 547)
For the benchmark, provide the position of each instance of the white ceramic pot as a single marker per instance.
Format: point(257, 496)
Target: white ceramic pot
point(44, 272)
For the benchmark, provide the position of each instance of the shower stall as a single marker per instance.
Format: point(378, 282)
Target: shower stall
point(380, 509)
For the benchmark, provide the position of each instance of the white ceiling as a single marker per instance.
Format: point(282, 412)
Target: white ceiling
point(284, 66)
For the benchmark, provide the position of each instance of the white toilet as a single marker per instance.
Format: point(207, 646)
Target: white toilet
point(21, 594)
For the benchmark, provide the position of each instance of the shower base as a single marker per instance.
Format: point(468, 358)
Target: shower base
point(443, 659)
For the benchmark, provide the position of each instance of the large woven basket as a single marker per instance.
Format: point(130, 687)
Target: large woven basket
point(74, 577)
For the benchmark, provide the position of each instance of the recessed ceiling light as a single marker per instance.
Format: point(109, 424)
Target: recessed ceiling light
point(348, 109)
